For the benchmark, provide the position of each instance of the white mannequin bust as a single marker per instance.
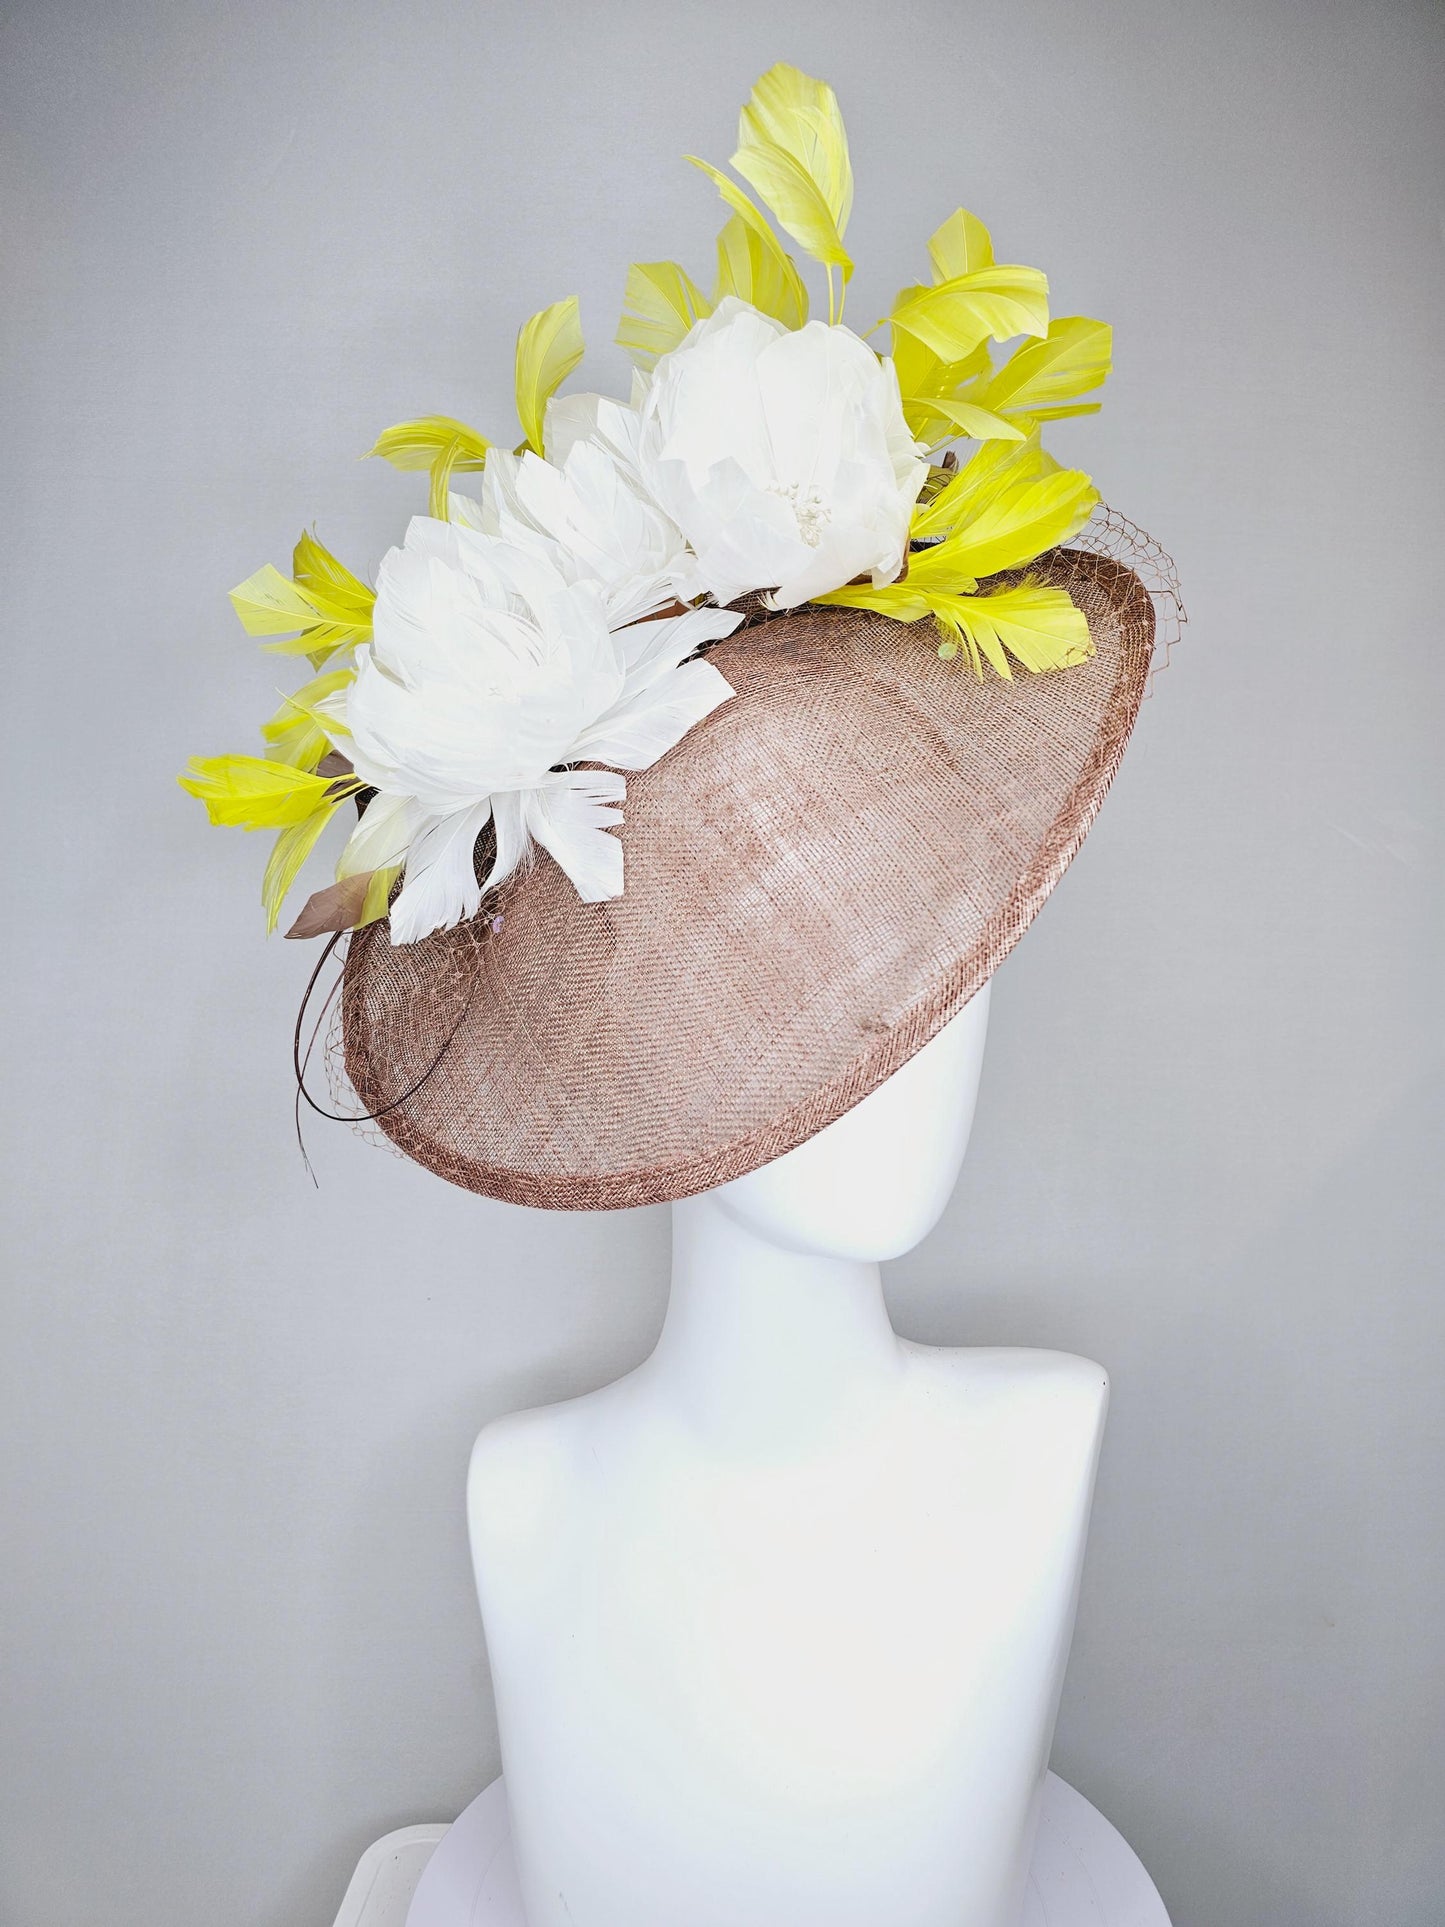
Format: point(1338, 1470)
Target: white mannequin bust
point(778, 1622)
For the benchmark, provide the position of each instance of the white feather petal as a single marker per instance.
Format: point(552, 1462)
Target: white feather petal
point(509, 824)
point(440, 886)
point(653, 721)
point(570, 816)
point(651, 649)
point(381, 836)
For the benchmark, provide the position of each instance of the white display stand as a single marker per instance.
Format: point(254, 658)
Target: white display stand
point(1084, 1873)
point(386, 1877)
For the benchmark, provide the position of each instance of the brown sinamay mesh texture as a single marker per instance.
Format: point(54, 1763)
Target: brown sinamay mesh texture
point(818, 878)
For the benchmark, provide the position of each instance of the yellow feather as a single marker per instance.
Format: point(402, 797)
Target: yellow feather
point(436, 443)
point(1041, 379)
point(753, 217)
point(290, 851)
point(662, 302)
point(1008, 530)
point(793, 148)
point(416, 444)
point(899, 600)
point(439, 485)
point(953, 317)
point(327, 606)
point(994, 468)
point(318, 572)
point(1040, 627)
point(1003, 508)
point(293, 735)
point(961, 245)
point(269, 605)
point(378, 895)
point(735, 198)
point(549, 347)
point(757, 272)
point(923, 380)
point(252, 794)
point(792, 197)
point(962, 418)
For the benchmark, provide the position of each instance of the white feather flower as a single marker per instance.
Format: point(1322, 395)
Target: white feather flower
point(490, 674)
point(782, 455)
point(586, 509)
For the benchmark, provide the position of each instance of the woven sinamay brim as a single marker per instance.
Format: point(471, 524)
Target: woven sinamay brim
point(818, 878)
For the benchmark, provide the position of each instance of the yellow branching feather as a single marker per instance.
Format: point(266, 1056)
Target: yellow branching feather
point(549, 347)
point(1007, 505)
point(923, 373)
point(945, 392)
point(662, 302)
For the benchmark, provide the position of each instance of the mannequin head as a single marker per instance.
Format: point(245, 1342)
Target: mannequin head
point(875, 1181)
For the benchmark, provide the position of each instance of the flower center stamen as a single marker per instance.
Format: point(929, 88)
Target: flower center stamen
point(811, 512)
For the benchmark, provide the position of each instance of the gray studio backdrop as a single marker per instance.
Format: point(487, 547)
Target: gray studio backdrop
point(239, 1637)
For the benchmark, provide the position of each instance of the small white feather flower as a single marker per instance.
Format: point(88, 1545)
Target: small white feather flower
point(586, 509)
point(782, 455)
point(489, 675)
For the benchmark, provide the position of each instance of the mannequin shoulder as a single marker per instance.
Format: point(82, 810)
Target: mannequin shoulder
point(1054, 1389)
point(523, 1471)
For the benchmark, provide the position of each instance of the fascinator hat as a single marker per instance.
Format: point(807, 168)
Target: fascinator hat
point(717, 749)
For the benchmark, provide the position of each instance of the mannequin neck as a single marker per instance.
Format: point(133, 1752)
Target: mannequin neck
point(765, 1346)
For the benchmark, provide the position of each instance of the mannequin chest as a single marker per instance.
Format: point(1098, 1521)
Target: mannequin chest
point(816, 1615)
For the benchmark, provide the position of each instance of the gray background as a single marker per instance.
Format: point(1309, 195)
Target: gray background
point(239, 1635)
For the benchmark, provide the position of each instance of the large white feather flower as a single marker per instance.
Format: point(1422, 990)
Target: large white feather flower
point(489, 675)
point(782, 455)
